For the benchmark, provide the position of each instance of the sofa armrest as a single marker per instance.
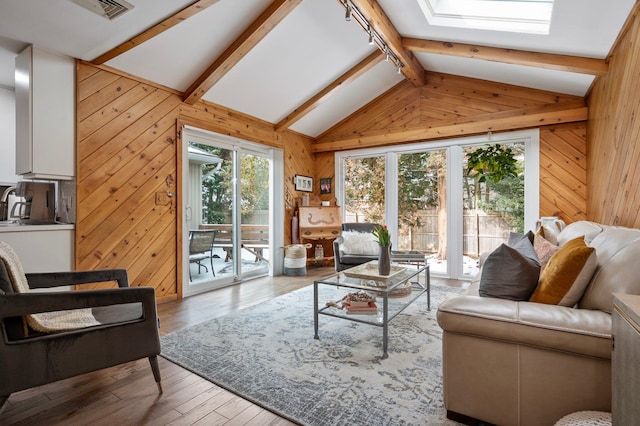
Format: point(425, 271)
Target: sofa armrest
point(57, 279)
point(580, 331)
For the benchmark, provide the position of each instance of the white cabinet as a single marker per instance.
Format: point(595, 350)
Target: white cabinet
point(42, 248)
point(45, 115)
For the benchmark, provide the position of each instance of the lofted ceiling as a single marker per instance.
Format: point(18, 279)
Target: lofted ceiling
point(298, 63)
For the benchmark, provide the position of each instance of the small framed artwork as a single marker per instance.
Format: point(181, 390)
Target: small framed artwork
point(325, 185)
point(303, 183)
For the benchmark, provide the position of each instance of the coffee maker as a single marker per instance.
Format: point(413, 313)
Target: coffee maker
point(39, 205)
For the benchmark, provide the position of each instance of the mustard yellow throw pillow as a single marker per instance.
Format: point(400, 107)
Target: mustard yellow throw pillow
point(566, 275)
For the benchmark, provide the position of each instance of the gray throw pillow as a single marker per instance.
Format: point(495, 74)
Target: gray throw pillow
point(515, 237)
point(510, 272)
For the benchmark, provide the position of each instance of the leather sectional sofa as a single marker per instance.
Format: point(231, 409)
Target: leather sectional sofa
point(523, 363)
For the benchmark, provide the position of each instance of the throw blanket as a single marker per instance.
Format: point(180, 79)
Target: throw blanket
point(47, 322)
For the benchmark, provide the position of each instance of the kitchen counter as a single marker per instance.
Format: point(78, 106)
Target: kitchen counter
point(18, 227)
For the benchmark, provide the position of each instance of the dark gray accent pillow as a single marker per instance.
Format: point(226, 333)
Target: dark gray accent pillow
point(510, 272)
point(515, 237)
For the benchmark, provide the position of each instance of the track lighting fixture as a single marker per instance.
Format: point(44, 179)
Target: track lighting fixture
point(373, 36)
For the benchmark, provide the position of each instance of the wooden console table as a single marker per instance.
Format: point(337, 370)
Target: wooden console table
point(319, 225)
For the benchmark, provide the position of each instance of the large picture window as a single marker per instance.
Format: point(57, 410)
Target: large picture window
point(451, 199)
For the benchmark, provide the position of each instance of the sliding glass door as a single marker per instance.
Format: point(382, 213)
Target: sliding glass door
point(229, 205)
point(451, 200)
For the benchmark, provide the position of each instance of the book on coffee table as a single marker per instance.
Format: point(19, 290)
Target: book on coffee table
point(361, 308)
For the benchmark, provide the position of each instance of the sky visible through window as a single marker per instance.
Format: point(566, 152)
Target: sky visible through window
point(522, 16)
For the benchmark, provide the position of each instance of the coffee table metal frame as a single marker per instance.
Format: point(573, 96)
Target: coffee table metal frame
point(410, 275)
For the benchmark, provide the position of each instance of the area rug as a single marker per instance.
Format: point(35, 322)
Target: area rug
point(267, 355)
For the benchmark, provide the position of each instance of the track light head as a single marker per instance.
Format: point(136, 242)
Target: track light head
point(347, 15)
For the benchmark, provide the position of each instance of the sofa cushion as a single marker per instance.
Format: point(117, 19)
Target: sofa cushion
point(580, 228)
point(618, 270)
point(359, 243)
point(544, 250)
point(567, 274)
point(510, 272)
point(515, 237)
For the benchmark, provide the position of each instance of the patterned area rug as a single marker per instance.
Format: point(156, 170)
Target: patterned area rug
point(267, 354)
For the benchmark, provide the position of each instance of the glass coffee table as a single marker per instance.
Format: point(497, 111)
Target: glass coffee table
point(403, 286)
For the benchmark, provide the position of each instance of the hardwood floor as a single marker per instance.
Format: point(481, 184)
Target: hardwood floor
point(127, 395)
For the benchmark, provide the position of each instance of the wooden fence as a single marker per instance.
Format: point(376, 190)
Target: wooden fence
point(482, 232)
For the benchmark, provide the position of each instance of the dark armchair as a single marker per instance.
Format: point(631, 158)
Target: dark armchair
point(349, 260)
point(126, 327)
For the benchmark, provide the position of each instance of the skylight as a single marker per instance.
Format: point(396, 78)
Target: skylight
point(521, 16)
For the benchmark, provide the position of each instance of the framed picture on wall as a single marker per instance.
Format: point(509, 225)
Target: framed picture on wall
point(325, 185)
point(303, 183)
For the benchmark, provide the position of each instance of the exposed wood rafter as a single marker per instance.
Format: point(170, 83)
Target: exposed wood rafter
point(187, 12)
point(272, 15)
point(522, 118)
point(379, 21)
point(509, 56)
point(346, 78)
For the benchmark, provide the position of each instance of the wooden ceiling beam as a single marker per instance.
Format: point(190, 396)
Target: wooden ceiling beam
point(380, 22)
point(267, 21)
point(346, 78)
point(492, 122)
point(550, 61)
point(175, 19)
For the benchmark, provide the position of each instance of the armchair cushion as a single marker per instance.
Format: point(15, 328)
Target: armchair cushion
point(47, 321)
point(359, 243)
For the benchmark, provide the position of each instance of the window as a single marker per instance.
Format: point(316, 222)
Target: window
point(431, 202)
point(522, 16)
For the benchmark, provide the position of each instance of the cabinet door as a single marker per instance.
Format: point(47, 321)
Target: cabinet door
point(625, 362)
point(45, 115)
point(23, 112)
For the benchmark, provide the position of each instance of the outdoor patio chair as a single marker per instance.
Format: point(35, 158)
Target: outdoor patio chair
point(53, 335)
point(201, 248)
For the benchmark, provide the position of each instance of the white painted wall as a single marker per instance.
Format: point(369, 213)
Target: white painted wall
point(8, 136)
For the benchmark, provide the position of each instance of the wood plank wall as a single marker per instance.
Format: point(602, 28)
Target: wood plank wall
point(613, 134)
point(128, 152)
point(447, 97)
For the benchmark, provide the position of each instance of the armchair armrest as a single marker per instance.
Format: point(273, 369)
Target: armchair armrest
point(57, 279)
point(20, 304)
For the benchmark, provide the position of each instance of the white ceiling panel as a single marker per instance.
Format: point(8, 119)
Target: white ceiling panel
point(578, 27)
point(308, 50)
point(65, 27)
point(535, 78)
point(190, 47)
point(348, 100)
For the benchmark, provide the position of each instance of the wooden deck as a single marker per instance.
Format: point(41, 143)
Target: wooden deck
point(127, 394)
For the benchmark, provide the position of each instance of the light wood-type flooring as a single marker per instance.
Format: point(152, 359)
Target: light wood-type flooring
point(127, 395)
